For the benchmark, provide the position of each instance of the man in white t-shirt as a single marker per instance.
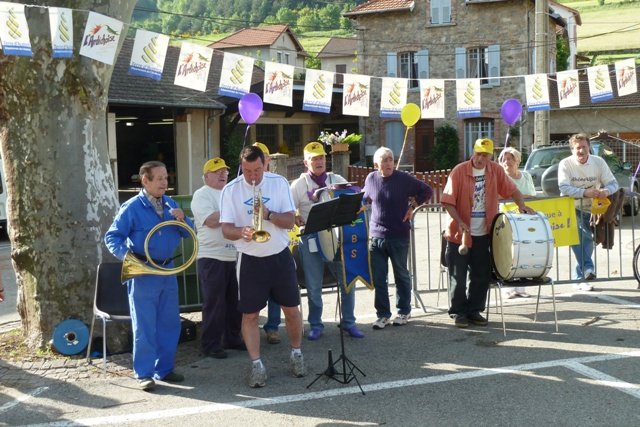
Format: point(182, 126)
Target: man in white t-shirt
point(584, 177)
point(216, 265)
point(265, 269)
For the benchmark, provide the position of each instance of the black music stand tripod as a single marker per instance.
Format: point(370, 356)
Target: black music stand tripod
point(336, 212)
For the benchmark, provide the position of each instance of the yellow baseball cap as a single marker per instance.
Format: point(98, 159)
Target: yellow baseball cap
point(483, 145)
point(313, 149)
point(263, 147)
point(214, 165)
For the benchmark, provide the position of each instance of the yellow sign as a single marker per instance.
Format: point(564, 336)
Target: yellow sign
point(561, 213)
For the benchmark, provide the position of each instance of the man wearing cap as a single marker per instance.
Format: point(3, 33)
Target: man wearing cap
point(304, 196)
point(471, 198)
point(264, 268)
point(273, 308)
point(216, 265)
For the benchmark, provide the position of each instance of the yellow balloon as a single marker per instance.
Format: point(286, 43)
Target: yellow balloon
point(410, 114)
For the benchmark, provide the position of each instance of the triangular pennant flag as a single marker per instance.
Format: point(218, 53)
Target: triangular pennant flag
point(626, 77)
point(100, 39)
point(193, 66)
point(468, 97)
point(236, 75)
point(14, 30)
point(393, 96)
point(537, 88)
point(599, 83)
point(61, 24)
point(278, 83)
point(318, 88)
point(356, 93)
point(568, 93)
point(432, 98)
point(148, 55)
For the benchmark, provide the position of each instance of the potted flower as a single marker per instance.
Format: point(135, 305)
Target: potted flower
point(339, 141)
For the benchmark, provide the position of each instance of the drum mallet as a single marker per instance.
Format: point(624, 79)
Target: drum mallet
point(463, 249)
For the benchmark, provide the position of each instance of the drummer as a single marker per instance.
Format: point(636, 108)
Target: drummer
point(510, 159)
point(471, 197)
point(306, 190)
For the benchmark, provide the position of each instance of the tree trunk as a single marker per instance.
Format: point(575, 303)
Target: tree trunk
point(61, 192)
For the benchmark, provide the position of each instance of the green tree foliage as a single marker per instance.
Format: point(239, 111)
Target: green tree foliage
point(562, 53)
point(445, 151)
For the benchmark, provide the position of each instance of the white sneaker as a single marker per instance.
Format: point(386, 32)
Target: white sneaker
point(257, 376)
point(401, 319)
point(381, 323)
point(582, 286)
point(297, 365)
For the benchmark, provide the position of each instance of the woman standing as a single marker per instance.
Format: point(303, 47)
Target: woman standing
point(510, 159)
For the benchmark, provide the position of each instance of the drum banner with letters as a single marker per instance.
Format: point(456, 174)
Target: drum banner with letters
point(561, 213)
point(354, 251)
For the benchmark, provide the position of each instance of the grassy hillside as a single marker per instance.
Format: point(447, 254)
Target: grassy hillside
point(612, 26)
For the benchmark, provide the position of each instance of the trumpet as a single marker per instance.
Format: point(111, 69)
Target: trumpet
point(259, 235)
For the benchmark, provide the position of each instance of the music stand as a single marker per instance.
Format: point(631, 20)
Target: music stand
point(336, 212)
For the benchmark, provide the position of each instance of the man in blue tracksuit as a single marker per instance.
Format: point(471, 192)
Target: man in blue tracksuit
point(153, 299)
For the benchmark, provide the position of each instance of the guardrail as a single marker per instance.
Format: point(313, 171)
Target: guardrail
point(427, 273)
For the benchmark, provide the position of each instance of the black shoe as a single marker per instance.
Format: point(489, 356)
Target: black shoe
point(173, 377)
point(241, 346)
point(461, 321)
point(477, 319)
point(218, 354)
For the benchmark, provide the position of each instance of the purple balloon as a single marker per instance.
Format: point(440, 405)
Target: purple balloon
point(511, 111)
point(250, 107)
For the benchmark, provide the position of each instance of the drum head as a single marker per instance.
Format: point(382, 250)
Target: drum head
point(328, 243)
point(501, 246)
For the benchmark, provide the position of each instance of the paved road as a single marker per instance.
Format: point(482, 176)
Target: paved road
point(425, 373)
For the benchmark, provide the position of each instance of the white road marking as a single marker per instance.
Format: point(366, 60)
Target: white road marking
point(22, 398)
point(572, 363)
point(615, 300)
point(605, 380)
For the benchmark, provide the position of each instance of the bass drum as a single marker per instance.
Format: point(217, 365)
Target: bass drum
point(521, 245)
point(328, 240)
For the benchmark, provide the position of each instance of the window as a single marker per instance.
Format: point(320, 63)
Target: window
point(440, 12)
point(268, 135)
point(409, 65)
point(474, 129)
point(279, 57)
point(393, 137)
point(341, 70)
point(482, 62)
point(286, 58)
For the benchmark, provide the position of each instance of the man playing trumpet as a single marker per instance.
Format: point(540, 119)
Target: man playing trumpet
point(265, 265)
point(153, 299)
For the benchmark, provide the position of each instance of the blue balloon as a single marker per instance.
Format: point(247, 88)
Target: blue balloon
point(250, 107)
point(511, 111)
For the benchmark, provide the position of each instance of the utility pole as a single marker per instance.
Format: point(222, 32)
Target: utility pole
point(541, 118)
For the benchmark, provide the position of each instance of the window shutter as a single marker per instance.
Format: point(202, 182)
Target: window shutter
point(445, 10)
point(435, 11)
point(461, 63)
point(494, 64)
point(423, 63)
point(392, 64)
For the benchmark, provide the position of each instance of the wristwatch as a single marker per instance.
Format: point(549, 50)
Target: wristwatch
point(269, 215)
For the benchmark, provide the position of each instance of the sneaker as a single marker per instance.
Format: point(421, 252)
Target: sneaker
point(355, 332)
point(477, 319)
point(524, 295)
point(381, 323)
point(401, 319)
point(257, 376)
point(173, 377)
point(512, 295)
point(273, 337)
point(590, 275)
point(218, 354)
point(461, 321)
point(582, 286)
point(297, 365)
point(146, 384)
point(314, 334)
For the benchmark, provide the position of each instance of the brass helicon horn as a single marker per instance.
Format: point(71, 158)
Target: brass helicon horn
point(133, 267)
